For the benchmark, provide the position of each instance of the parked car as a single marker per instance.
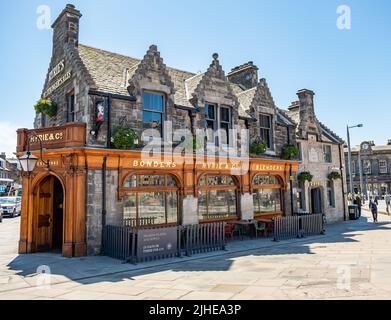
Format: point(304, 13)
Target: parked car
point(1, 215)
point(11, 206)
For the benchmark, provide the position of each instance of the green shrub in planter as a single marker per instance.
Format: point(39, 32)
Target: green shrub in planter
point(334, 175)
point(124, 138)
point(46, 106)
point(304, 176)
point(290, 152)
point(258, 147)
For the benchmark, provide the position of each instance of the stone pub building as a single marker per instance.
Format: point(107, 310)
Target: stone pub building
point(83, 181)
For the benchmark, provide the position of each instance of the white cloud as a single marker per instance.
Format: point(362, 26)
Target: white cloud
point(8, 138)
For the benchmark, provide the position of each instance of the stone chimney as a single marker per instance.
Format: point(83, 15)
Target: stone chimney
point(308, 121)
point(66, 28)
point(295, 105)
point(245, 75)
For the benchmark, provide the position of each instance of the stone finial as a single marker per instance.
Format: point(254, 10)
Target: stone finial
point(153, 47)
point(215, 56)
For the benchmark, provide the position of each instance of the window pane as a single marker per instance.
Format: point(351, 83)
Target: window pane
point(224, 115)
point(153, 102)
point(278, 199)
point(151, 208)
point(152, 120)
point(202, 212)
point(224, 133)
point(265, 180)
point(129, 214)
point(264, 200)
point(220, 181)
point(265, 121)
point(218, 204)
point(265, 136)
point(152, 180)
point(131, 182)
point(172, 207)
point(210, 112)
point(171, 181)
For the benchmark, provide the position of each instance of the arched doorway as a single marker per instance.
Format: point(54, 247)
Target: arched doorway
point(316, 200)
point(48, 214)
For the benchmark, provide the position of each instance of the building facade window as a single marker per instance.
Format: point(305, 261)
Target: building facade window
point(266, 134)
point(300, 151)
point(383, 166)
point(217, 198)
point(266, 195)
point(330, 193)
point(210, 118)
point(367, 167)
point(71, 107)
point(150, 200)
point(153, 112)
point(353, 167)
point(327, 153)
point(225, 125)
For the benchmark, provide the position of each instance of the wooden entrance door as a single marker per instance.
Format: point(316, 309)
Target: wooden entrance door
point(316, 201)
point(43, 209)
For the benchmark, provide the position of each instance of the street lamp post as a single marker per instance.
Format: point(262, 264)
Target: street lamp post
point(350, 157)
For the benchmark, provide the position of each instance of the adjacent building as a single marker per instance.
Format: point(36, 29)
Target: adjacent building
point(371, 168)
point(84, 180)
point(9, 175)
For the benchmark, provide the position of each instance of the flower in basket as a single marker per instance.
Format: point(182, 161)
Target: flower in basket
point(124, 138)
point(304, 176)
point(290, 152)
point(46, 106)
point(334, 175)
point(258, 147)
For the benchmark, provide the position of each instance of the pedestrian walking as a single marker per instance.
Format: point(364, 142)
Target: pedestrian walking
point(388, 202)
point(373, 208)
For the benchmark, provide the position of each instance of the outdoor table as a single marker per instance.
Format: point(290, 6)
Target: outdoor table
point(269, 224)
point(245, 225)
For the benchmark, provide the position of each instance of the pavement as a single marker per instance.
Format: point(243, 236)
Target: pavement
point(352, 261)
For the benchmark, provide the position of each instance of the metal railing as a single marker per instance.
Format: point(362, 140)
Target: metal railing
point(120, 242)
point(202, 238)
point(298, 226)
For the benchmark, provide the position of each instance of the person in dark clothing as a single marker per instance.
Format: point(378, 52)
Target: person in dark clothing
point(376, 200)
point(373, 208)
point(358, 202)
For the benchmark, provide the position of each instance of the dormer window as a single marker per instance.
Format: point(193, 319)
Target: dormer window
point(265, 124)
point(225, 124)
point(210, 118)
point(153, 111)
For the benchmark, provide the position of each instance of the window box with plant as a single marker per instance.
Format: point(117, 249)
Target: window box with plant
point(124, 138)
point(304, 176)
point(258, 147)
point(290, 152)
point(334, 175)
point(46, 106)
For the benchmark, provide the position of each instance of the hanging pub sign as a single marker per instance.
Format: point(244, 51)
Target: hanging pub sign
point(100, 112)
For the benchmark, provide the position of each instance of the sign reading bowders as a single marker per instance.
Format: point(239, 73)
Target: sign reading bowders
point(157, 242)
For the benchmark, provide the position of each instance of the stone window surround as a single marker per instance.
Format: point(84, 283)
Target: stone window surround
point(383, 169)
point(324, 148)
point(270, 150)
point(217, 122)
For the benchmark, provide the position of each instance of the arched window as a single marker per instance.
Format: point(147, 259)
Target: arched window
point(266, 195)
point(217, 198)
point(150, 200)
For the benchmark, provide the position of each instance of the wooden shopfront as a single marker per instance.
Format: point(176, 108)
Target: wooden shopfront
point(149, 191)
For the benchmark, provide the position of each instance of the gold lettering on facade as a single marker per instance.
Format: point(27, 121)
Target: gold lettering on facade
point(57, 70)
point(220, 166)
point(154, 164)
point(47, 137)
point(268, 167)
point(54, 163)
point(57, 84)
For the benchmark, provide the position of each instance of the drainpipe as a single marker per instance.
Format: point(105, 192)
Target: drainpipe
point(290, 174)
point(342, 181)
point(104, 192)
point(108, 106)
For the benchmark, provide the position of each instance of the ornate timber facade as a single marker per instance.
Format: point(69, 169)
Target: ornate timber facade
point(90, 183)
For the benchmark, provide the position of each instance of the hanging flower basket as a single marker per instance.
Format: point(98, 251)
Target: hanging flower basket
point(124, 138)
point(290, 152)
point(304, 176)
point(46, 106)
point(334, 175)
point(258, 147)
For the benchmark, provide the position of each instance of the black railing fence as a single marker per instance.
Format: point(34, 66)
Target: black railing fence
point(298, 226)
point(135, 245)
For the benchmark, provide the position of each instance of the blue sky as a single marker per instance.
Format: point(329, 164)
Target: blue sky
point(295, 44)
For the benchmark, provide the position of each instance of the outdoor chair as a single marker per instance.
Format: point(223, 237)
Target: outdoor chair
point(229, 227)
point(260, 227)
point(238, 230)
